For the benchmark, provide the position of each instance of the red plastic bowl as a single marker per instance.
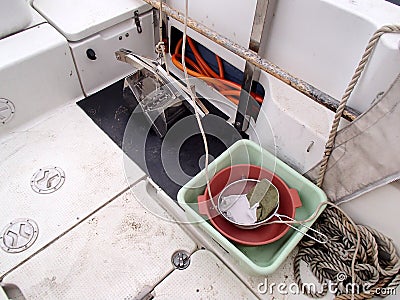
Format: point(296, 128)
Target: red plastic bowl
point(289, 200)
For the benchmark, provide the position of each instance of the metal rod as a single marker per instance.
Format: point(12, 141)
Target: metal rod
point(259, 62)
point(246, 107)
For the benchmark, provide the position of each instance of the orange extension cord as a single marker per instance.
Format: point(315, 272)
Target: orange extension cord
point(201, 69)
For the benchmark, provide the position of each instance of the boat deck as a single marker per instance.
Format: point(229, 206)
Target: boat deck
point(109, 231)
point(95, 239)
point(104, 235)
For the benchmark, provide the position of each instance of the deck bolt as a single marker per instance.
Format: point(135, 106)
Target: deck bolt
point(180, 259)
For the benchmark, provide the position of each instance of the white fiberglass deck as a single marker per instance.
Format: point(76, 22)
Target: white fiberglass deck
point(96, 238)
point(206, 277)
point(114, 254)
point(93, 175)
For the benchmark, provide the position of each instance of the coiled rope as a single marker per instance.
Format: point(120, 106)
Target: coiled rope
point(339, 112)
point(377, 263)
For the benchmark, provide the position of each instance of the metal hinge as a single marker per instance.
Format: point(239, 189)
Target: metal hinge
point(137, 21)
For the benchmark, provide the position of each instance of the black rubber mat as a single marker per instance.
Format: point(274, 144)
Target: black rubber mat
point(170, 161)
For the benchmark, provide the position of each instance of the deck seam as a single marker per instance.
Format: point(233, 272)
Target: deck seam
point(2, 276)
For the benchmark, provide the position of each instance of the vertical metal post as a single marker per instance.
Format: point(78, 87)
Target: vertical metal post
point(156, 22)
point(248, 108)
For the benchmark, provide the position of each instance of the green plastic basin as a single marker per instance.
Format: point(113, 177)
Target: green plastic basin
point(265, 259)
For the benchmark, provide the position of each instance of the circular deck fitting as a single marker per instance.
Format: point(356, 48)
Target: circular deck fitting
point(47, 180)
point(7, 110)
point(18, 235)
point(202, 160)
point(180, 259)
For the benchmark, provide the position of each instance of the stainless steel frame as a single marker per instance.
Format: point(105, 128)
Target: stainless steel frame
point(247, 106)
point(255, 60)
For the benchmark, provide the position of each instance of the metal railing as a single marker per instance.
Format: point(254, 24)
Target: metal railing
point(259, 62)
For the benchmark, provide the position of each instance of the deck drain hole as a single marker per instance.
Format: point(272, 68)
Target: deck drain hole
point(47, 180)
point(180, 259)
point(18, 235)
point(7, 110)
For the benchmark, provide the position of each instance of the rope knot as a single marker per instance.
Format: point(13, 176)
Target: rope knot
point(160, 47)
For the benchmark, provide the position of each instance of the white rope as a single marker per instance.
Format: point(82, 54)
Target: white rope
point(193, 97)
point(339, 112)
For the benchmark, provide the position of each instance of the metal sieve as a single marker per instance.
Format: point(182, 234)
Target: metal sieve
point(242, 187)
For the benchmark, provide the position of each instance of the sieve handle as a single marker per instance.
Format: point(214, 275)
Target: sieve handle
point(323, 240)
point(294, 194)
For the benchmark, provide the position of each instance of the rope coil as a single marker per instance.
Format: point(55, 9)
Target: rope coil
point(377, 263)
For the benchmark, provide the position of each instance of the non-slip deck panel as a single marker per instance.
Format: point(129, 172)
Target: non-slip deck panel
point(114, 254)
point(94, 174)
point(129, 129)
